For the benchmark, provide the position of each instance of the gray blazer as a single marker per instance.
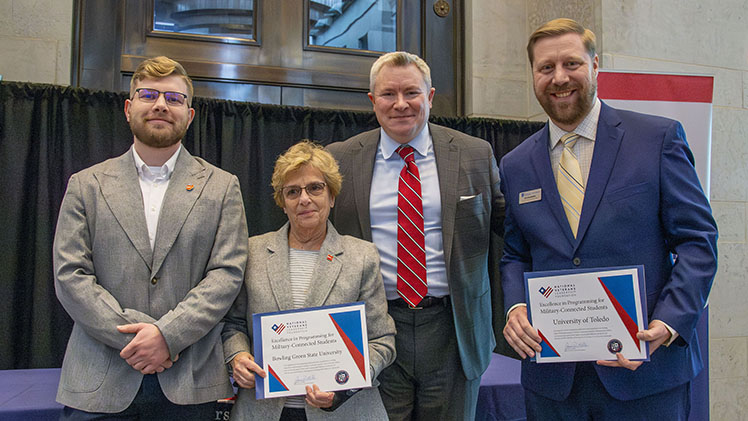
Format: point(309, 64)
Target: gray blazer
point(472, 213)
point(107, 275)
point(352, 275)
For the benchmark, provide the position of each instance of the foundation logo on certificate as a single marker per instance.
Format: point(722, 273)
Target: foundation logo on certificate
point(290, 327)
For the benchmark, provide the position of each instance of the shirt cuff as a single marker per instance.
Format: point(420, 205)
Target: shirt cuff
point(515, 306)
point(231, 357)
point(673, 334)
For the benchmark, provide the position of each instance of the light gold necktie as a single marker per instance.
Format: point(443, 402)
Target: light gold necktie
point(570, 184)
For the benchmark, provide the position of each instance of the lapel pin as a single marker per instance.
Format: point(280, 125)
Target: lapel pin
point(329, 257)
point(190, 187)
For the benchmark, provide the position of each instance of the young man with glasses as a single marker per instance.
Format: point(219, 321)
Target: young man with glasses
point(149, 254)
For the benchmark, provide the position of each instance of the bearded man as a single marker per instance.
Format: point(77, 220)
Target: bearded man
point(149, 254)
point(599, 187)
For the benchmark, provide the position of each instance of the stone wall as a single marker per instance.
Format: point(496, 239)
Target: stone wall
point(35, 37)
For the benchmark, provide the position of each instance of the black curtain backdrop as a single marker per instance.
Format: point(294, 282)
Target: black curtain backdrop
point(49, 132)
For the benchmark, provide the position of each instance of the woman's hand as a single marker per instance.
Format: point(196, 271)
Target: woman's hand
point(245, 368)
point(318, 398)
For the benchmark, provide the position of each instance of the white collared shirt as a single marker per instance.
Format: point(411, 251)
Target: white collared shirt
point(383, 211)
point(153, 184)
point(584, 147)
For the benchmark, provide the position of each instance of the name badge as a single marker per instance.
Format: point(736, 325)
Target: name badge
point(530, 196)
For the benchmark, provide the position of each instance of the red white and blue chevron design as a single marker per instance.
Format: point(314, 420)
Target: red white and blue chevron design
point(275, 384)
point(620, 291)
point(348, 325)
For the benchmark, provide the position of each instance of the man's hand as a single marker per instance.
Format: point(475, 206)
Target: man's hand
point(656, 335)
point(520, 334)
point(317, 398)
point(244, 367)
point(147, 352)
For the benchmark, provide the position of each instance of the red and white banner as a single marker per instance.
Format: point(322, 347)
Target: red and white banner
point(686, 98)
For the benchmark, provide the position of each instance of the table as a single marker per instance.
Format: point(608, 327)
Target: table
point(30, 394)
point(501, 396)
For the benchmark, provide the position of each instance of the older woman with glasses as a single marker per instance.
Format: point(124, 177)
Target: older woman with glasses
point(307, 263)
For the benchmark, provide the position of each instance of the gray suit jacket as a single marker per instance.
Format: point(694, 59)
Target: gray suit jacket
point(107, 275)
point(352, 275)
point(472, 213)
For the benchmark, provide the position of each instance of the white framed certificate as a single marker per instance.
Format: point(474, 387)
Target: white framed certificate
point(327, 346)
point(588, 314)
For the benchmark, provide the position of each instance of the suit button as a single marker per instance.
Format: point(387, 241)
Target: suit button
point(577, 261)
point(154, 281)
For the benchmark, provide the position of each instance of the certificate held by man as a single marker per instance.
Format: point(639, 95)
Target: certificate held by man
point(326, 346)
point(588, 315)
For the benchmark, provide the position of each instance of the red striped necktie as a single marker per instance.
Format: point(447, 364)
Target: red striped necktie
point(411, 251)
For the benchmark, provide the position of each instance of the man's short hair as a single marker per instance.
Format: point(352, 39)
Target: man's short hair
point(399, 59)
point(158, 67)
point(299, 155)
point(559, 27)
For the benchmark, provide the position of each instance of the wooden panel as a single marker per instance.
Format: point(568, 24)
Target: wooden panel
point(243, 92)
point(97, 45)
point(235, 91)
point(262, 74)
point(324, 98)
point(112, 39)
point(442, 49)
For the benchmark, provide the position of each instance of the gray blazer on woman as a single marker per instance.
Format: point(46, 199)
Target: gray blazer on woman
point(351, 275)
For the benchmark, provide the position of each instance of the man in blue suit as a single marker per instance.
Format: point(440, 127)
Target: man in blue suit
point(634, 199)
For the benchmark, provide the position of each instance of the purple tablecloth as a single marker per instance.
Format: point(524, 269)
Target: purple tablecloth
point(30, 394)
point(501, 396)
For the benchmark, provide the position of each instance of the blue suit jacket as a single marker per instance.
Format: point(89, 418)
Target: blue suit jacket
point(643, 205)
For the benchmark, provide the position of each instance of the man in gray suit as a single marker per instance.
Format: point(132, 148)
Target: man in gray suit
point(149, 254)
point(439, 251)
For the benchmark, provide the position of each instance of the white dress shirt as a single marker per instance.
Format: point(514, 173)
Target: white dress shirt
point(583, 148)
point(153, 184)
point(383, 211)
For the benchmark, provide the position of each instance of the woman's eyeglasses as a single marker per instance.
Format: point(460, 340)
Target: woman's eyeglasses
point(312, 189)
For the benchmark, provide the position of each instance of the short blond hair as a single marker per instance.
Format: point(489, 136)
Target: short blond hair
point(304, 153)
point(158, 67)
point(399, 59)
point(561, 26)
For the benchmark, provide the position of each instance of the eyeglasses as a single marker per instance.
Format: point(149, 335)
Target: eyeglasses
point(151, 95)
point(313, 189)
